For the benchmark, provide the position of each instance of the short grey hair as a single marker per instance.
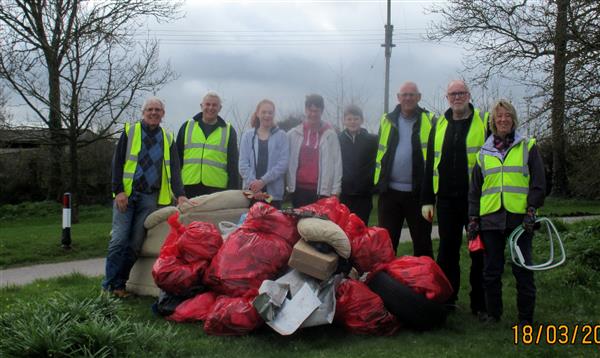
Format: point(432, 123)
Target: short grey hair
point(213, 94)
point(151, 100)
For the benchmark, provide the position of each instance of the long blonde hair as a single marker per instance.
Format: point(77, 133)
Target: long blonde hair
point(254, 121)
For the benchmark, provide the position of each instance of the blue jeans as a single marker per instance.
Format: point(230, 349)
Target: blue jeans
point(128, 235)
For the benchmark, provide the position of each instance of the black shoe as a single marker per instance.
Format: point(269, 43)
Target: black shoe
point(486, 318)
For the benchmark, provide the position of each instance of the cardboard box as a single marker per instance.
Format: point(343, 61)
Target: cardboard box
point(308, 260)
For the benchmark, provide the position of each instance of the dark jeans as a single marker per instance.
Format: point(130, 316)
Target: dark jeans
point(127, 237)
point(495, 242)
point(192, 191)
point(452, 219)
point(395, 206)
point(361, 205)
point(303, 197)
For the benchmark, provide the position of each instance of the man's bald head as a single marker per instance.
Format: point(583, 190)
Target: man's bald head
point(408, 98)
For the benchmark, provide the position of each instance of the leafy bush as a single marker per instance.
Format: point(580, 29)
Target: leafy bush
point(67, 327)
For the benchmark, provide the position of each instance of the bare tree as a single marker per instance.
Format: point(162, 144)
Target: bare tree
point(78, 67)
point(552, 47)
point(343, 94)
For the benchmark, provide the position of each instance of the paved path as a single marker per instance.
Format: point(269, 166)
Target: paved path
point(25, 275)
point(95, 267)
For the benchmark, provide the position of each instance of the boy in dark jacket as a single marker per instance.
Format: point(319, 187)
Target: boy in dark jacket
point(359, 149)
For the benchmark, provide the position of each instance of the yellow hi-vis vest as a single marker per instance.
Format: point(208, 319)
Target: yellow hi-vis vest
point(505, 183)
point(134, 145)
point(475, 139)
point(385, 127)
point(205, 159)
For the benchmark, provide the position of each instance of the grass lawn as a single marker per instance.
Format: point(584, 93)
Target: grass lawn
point(569, 207)
point(30, 233)
point(566, 295)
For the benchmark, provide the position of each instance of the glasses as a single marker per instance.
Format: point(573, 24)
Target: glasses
point(408, 95)
point(457, 94)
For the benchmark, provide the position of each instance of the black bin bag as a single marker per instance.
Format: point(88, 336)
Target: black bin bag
point(411, 309)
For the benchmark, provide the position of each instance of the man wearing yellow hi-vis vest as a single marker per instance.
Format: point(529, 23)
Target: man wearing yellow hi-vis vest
point(452, 150)
point(145, 174)
point(508, 185)
point(208, 151)
point(399, 168)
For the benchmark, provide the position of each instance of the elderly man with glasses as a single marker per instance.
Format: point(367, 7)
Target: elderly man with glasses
point(452, 150)
point(399, 169)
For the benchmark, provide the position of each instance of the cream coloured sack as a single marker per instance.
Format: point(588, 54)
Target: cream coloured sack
point(314, 229)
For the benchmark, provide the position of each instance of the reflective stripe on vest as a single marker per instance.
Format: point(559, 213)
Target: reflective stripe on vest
point(205, 159)
point(475, 139)
point(134, 145)
point(505, 183)
point(385, 128)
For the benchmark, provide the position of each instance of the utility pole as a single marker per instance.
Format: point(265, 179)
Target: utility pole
point(389, 29)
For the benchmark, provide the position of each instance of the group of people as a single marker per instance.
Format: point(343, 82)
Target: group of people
point(472, 166)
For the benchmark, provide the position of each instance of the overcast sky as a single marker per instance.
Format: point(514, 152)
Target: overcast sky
point(283, 50)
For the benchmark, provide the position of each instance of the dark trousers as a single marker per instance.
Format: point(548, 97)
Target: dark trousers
point(192, 191)
point(395, 206)
point(495, 242)
point(452, 217)
point(302, 197)
point(361, 205)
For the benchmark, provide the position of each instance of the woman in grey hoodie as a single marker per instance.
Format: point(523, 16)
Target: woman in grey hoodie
point(264, 154)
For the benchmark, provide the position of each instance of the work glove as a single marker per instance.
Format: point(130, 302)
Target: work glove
point(427, 212)
point(529, 220)
point(473, 228)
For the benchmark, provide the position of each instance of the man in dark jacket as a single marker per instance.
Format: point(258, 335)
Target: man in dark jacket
point(452, 149)
point(207, 147)
point(145, 175)
point(359, 149)
point(403, 135)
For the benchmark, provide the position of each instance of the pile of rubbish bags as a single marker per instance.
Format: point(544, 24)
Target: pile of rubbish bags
point(296, 268)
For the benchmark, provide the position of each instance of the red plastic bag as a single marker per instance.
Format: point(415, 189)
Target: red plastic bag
point(264, 218)
point(232, 316)
point(245, 260)
point(330, 207)
point(422, 275)
point(254, 252)
point(200, 241)
point(476, 244)
point(355, 226)
point(371, 246)
point(177, 277)
point(194, 309)
point(361, 311)
point(169, 246)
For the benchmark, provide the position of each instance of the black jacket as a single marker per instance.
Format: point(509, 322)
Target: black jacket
point(418, 164)
point(453, 168)
point(232, 148)
point(358, 162)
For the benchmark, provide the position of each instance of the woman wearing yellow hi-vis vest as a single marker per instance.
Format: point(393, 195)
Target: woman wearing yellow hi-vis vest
point(508, 185)
point(452, 149)
point(208, 151)
point(145, 174)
